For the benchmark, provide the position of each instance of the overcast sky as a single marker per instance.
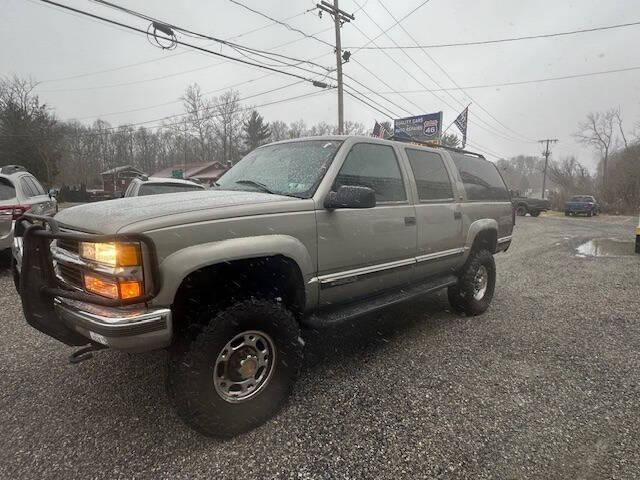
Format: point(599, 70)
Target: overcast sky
point(51, 45)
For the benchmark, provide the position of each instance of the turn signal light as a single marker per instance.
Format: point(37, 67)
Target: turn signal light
point(124, 290)
point(130, 290)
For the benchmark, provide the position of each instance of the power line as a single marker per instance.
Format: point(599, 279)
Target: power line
point(392, 26)
point(384, 32)
point(441, 68)
point(197, 35)
point(204, 93)
point(313, 36)
point(521, 82)
point(179, 42)
point(280, 22)
point(184, 52)
point(502, 40)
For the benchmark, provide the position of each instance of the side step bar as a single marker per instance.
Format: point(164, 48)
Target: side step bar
point(338, 314)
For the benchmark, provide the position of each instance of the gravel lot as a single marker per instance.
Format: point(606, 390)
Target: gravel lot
point(544, 385)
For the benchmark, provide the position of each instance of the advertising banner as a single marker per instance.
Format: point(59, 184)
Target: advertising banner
point(425, 128)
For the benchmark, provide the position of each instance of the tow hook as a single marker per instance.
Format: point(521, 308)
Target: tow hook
point(85, 353)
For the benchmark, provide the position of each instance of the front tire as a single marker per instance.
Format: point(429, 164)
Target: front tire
point(521, 211)
point(534, 214)
point(476, 284)
point(239, 370)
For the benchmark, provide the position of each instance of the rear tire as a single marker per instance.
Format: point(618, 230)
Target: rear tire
point(566, 214)
point(521, 211)
point(476, 284)
point(589, 214)
point(534, 214)
point(206, 382)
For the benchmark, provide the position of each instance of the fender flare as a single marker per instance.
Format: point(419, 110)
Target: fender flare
point(177, 266)
point(475, 228)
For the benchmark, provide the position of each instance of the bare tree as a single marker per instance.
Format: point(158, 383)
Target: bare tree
point(618, 119)
point(279, 131)
point(200, 119)
point(228, 126)
point(597, 132)
point(297, 129)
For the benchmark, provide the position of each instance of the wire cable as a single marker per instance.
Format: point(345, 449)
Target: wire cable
point(463, 104)
point(164, 57)
point(500, 40)
point(521, 82)
point(178, 42)
point(284, 24)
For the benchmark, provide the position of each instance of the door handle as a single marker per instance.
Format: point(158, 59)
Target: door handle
point(409, 221)
point(457, 215)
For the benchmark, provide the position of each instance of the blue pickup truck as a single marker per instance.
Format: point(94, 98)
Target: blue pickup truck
point(581, 204)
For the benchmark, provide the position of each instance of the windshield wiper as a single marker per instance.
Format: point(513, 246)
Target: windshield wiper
point(261, 186)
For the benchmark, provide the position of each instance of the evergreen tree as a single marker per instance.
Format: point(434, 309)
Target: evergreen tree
point(255, 131)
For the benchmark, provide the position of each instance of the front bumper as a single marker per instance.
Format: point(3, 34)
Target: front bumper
point(73, 316)
point(136, 330)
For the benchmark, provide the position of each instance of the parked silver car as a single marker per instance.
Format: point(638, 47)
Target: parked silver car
point(156, 185)
point(20, 192)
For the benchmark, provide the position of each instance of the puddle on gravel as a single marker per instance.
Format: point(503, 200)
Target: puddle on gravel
point(605, 247)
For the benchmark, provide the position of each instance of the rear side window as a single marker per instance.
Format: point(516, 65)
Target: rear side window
point(7, 190)
point(35, 184)
point(376, 167)
point(27, 188)
point(431, 175)
point(481, 178)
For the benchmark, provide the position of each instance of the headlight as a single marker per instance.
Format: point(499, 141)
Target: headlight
point(112, 254)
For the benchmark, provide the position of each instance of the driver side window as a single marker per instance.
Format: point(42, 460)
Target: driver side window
point(374, 166)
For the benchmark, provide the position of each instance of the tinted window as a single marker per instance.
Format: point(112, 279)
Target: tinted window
point(7, 190)
point(431, 175)
point(376, 167)
point(156, 188)
point(27, 189)
point(35, 186)
point(481, 178)
point(39, 186)
point(581, 199)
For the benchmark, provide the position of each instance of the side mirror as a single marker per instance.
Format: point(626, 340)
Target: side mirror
point(53, 193)
point(349, 196)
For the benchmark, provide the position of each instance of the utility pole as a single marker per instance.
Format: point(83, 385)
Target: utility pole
point(547, 154)
point(339, 17)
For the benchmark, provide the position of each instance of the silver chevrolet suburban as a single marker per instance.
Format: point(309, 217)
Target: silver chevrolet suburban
point(300, 233)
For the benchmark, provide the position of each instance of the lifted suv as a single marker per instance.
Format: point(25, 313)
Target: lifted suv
point(299, 233)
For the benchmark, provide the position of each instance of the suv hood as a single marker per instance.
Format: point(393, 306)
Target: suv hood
point(112, 215)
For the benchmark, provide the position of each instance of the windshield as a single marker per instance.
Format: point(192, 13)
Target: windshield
point(7, 190)
point(156, 188)
point(581, 199)
point(293, 169)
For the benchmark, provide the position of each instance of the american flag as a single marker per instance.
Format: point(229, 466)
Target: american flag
point(461, 123)
point(378, 131)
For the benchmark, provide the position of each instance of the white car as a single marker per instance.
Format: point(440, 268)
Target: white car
point(157, 185)
point(20, 192)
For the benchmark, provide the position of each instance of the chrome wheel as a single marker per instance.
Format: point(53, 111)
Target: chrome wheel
point(244, 366)
point(480, 282)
